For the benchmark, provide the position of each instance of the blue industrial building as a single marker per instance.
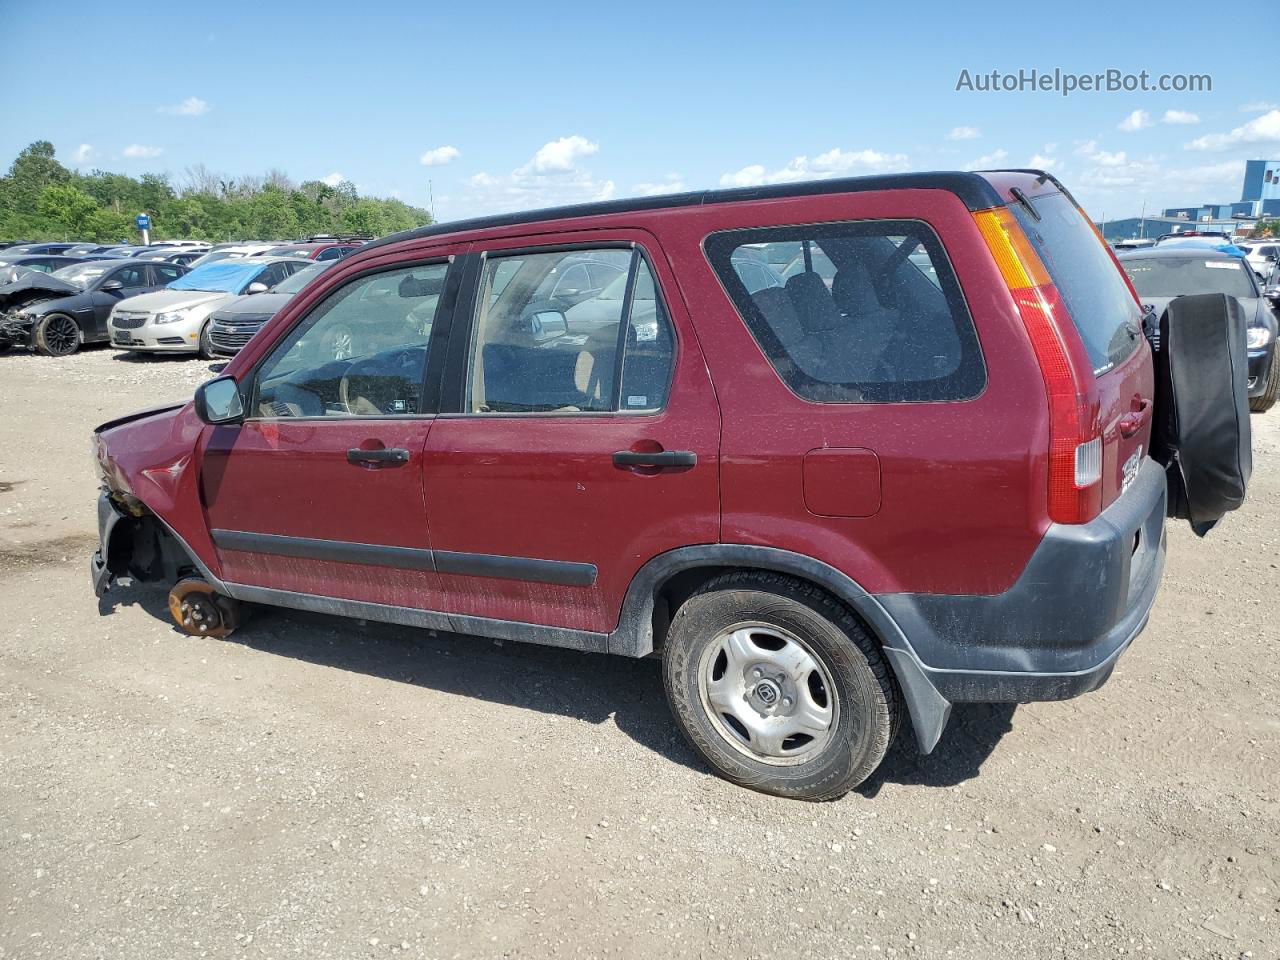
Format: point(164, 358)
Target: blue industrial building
point(1260, 197)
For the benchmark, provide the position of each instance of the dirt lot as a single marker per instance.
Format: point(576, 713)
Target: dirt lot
point(321, 788)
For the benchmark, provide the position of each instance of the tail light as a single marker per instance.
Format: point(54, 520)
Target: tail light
point(1075, 436)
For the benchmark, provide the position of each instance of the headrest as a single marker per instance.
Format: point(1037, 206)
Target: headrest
point(779, 313)
point(814, 307)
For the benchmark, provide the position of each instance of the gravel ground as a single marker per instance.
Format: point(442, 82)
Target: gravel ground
point(318, 788)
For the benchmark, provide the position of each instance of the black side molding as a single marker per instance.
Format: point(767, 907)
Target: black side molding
point(530, 569)
point(560, 572)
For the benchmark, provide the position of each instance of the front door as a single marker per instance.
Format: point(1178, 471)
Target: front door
point(579, 436)
point(319, 491)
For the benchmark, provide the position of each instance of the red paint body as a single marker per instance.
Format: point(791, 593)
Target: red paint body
point(940, 498)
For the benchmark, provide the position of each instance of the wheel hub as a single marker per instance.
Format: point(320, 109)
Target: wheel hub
point(767, 694)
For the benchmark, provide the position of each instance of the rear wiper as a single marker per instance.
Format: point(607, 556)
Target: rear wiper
point(1023, 202)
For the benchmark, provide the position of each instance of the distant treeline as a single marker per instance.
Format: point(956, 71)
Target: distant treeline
point(40, 199)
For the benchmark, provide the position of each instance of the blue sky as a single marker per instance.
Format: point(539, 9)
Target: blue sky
point(515, 105)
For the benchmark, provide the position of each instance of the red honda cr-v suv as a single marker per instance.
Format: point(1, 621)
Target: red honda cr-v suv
point(834, 450)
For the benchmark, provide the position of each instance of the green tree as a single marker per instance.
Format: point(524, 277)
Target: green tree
point(68, 206)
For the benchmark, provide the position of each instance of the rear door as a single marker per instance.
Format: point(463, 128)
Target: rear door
point(1109, 320)
point(581, 438)
point(320, 491)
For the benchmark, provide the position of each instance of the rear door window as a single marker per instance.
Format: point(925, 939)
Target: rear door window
point(870, 312)
point(536, 348)
point(1097, 297)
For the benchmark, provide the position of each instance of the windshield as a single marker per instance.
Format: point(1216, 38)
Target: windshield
point(1187, 276)
point(230, 277)
point(1081, 267)
point(81, 274)
point(300, 279)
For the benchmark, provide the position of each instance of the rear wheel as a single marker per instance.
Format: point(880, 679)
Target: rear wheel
point(1267, 399)
point(56, 335)
point(779, 687)
point(5, 346)
point(201, 611)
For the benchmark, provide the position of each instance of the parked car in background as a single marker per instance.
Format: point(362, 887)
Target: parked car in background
point(232, 251)
point(234, 323)
point(1205, 242)
point(175, 319)
point(822, 505)
point(1162, 273)
point(174, 254)
point(41, 263)
point(313, 251)
point(54, 249)
point(56, 313)
point(1133, 243)
point(1264, 257)
point(122, 251)
point(83, 249)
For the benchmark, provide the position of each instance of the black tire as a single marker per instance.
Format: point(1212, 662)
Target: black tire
point(1267, 399)
point(5, 346)
point(56, 335)
point(864, 690)
point(206, 342)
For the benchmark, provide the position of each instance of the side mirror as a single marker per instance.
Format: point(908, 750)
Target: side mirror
point(256, 287)
point(218, 401)
point(548, 324)
point(111, 286)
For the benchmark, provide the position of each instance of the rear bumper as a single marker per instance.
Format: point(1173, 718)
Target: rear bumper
point(1057, 632)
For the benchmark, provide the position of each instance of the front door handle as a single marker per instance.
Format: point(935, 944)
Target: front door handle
point(668, 458)
point(377, 457)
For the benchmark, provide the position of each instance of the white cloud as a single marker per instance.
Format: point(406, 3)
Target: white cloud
point(833, 163)
point(1138, 120)
point(333, 179)
point(438, 156)
point(551, 177)
point(190, 107)
point(1258, 106)
point(964, 133)
point(673, 183)
point(987, 160)
point(1263, 129)
point(1180, 116)
point(83, 155)
point(1086, 147)
point(1040, 161)
point(561, 155)
point(139, 151)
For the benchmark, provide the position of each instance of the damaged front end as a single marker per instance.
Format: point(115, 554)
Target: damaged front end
point(145, 455)
point(18, 297)
point(134, 543)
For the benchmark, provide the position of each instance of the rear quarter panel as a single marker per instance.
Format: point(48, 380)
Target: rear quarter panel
point(963, 484)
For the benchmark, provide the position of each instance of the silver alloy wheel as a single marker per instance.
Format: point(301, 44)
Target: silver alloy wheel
point(767, 694)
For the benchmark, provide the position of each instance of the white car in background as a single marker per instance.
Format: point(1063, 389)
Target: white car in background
point(175, 319)
point(1263, 256)
point(237, 252)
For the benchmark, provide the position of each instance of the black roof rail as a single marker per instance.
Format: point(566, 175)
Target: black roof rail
point(975, 191)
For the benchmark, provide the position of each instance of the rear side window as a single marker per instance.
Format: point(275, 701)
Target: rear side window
point(866, 312)
point(1097, 297)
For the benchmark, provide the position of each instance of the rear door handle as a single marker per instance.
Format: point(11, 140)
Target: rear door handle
point(374, 457)
point(1131, 423)
point(668, 458)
